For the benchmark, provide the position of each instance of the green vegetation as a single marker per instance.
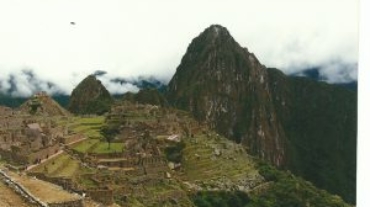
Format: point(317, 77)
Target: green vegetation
point(147, 96)
point(174, 152)
point(85, 145)
point(289, 190)
point(232, 162)
point(96, 130)
point(220, 199)
point(284, 189)
point(90, 97)
point(104, 147)
point(308, 127)
point(34, 105)
point(62, 165)
point(320, 125)
point(89, 126)
point(109, 131)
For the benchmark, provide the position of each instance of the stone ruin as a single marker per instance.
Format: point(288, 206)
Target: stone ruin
point(26, 139)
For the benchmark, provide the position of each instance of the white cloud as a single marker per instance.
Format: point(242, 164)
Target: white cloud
point(116, 87)
point(132, 38)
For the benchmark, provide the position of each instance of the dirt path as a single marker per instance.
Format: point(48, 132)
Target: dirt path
point(44, 160)
point(30, 167)
point(45, 191)
point(77, 141)
point(8, 198)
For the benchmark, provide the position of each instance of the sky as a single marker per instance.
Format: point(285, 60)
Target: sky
point(41, 49)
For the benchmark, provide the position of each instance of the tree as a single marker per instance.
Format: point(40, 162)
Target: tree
point(109, 132)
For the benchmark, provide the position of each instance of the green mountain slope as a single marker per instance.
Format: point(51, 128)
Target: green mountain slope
point(90, 97)
point(146, 96)
point(320, 122)
point(298, 124)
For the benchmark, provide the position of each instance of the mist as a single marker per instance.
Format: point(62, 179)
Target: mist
point(128, 40)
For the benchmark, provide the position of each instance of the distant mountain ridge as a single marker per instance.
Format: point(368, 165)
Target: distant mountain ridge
point(6, 99)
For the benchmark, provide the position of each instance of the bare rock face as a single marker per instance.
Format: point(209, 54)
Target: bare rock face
point(90, 97)
point(226, 86)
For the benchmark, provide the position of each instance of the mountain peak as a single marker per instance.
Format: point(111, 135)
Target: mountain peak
point(217, 30)
point(90, 97)
point(221, 83)
point(216, 34)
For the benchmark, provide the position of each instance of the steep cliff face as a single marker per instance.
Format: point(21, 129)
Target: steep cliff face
point(299, 124)
point(90, 97)
point(320, 122)
point(226, 86)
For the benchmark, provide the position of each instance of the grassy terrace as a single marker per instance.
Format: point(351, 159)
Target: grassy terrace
point(62, 165)
point(85, 145)
point(90, 126)
point(102, 147)
point(230, 164)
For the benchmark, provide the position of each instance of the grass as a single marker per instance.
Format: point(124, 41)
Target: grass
point(102, 148)
point(230, 164)
point(87, 182)
point(89, 126)
point(85, 145)
point(61, 166)
point(68, 170)
point(51, 165)
point(57, 166)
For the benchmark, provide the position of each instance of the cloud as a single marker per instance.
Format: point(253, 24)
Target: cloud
point(117, 87)
point(100, 73)
point(331, 72)
point(337, 72)
point(148, 38)
point(25, 83)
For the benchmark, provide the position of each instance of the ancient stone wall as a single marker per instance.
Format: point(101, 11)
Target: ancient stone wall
point(13, 156)
point(66, 183)
point(43, 153)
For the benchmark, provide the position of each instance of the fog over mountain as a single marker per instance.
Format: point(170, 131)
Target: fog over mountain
point(42, 50)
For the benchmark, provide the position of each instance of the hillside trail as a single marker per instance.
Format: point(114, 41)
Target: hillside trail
point(30, 167)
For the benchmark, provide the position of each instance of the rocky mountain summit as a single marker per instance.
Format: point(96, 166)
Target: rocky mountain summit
point(295, 123)
point(90, 97)
point(225, 85)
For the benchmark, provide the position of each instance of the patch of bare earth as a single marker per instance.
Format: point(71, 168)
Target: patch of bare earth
point(45, 191)
point(9, 198)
